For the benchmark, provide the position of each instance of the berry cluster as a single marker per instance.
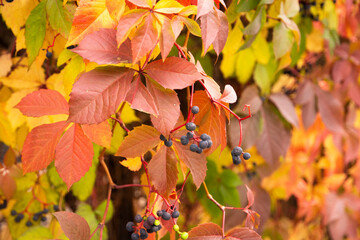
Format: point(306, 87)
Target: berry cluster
point(167, 142)
point(36, 217)
point(236, 153)
point(167, 216)
point(150, 225)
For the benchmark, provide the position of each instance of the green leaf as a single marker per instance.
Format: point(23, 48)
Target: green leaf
point(230, 179)
point(264, 75)
point(101, 209)
point(246, 5)
point(282, 40)
point(35, 30)
point(255, 25)
point(59, 17)
point(230, 196)
point(64, 56)
point(83, 188)
point(37, 232)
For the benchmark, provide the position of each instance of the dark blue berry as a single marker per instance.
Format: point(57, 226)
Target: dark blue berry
point(162, 137)
point(43, 219)
point(138, 218)
point(130, 226)
point(48, 54)
point(135, 236)
point(209, 143)
point(195, 109)
point(56, 208)
point(146, 225)
point(184, 140)
point(246, 155)
point(193, 147)
point(175, 214)
point(237, 151)
point(159, 213)
point(155, 228)
point(203, 144)
point(198, 150)
point(29, 223)
point(189, 135)
point(236, 160)
point(71, 47)
point(13, 212)
point(36, 216)
point(166, 216)
point(9, 1)
point(151, 220)
point(205, 137)
point(143, 234)
point(3, 204)
point(150, 230)
point(168, 143)
point(190, 126)
point(45, 211)
point(19, 217)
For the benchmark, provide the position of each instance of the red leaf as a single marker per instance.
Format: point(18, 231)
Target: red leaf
point(229, 95)
point(141, 99)
point(74, 226)
point(73, 156)
point(250, 96)
point(168, 105)
point(242, 233)
point(195, 162)
point(127, 22)
point(43, 102)
point(221, 37)
point(167, 38)
point(331, 110)
point(39, 147)
point(98, 93)
point(101, 47)
point(99, 133)
point(275, 139)
point(286, 107)
point(250, 197)
point(163, 170)
point(206, 231)
point(210, 25)
point(204, 7)
point(341, 70)
point(145, 39)
point(139, 141)
point(305, 93)
point(174, 73)
point(7, 183)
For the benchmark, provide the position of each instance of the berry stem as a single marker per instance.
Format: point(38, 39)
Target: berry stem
point(53, 43)
point(180, 50)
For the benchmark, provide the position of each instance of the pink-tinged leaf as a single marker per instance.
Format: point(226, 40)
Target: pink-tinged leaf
point(141, 99)
point(204, 7)
point(174, 73)
point(221, 37)
point(73, 156)
point(210, 26)
point(250, 96)
point(206, 231)
point(212, 87)
point(242, 233)
point(163, 170)
point(331, 110)
point(7, 183)
point(309, 113)
point(342, 50)
point(127, 22)
point(39, 147)
point(98, 93)
point(43, 102)
point(251, 130)
point(90, 16)
point(250, 197)
point(355, 57)
point(145, 39)
point(99, 133)
point(167, 38)
point(139, 141)
point(195, 162)
point(141, 3)
point(101, 47)
point(305, 93)
point(286, 107)
point(229, 95)
point(275, 139)
point(115, 8)
point(341, 70)
point(354, 92)
point(168, 105)
point(74, 226)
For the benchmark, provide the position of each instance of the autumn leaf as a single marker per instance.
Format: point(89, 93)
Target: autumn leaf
point(229, 95)
point(139, 141)
point(98, 133)
point(39, 147)
point(167, 38)
point(133, 164)
point(98, 93)
point(73, 156)
point(101, 47)
point(195, 162)
point(59, 17)
point(163, 170)
point(7, 183)
point(286, 107)
point(206, 231)
point(127, 22)
point(210, 26)
point(204, 7)
point(221, 37)
point(242, 234)
point(74, 226)
point(174, 73)
point(141, 99)
point(43, 102)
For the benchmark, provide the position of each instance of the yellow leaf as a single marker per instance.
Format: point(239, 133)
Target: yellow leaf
point(315, 41)
point(128, 114)
point(117, 138)
point(5, 94)
point(234, 40)
point(115, 8)
point(261, 50)
point(245, 64)
point(284, 81)
point(33, 122)
point(21, 78)
point(5, 63)
point(221, 158)
point(6, 135)
point(71, 71)
point(56, 82)
point(133, 164)
point(15, 117)
point(21, 134)
point(20, 40)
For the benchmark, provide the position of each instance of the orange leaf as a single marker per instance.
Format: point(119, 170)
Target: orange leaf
point(133, 164)
point(98, 133)
point(74, 226)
